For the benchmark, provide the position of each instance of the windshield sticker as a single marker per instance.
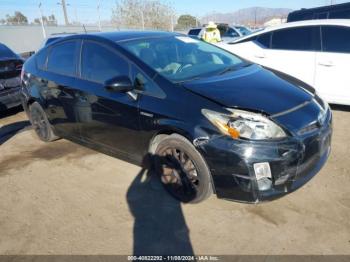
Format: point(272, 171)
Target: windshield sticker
point(187, 39)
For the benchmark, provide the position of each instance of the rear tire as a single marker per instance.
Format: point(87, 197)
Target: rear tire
point(40, 123)
point(182, 170)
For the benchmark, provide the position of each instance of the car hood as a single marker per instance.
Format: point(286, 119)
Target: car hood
point(253, 88)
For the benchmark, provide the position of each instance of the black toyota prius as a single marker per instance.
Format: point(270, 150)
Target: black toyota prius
point(207, 120)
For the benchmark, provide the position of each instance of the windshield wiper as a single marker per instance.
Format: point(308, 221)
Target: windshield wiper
point(234, 68)
point(228, 69)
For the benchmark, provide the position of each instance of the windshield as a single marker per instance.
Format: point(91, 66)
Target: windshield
point(181, 58)
point(243, 30)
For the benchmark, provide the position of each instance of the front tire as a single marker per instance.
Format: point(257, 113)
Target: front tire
point(40, 123)
point(182, 170)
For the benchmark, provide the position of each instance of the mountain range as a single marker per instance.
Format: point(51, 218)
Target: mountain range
point(247, 16)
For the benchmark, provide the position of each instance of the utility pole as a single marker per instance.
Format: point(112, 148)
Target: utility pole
point(63, 3)
point(99, 16)
point(42, 21)
point(143, 20)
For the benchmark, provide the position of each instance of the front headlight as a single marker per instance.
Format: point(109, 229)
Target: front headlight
point(243, 124)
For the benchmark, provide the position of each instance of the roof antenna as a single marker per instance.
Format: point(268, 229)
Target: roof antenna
point(84, 29)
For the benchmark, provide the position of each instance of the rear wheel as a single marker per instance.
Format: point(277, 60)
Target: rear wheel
point(182, 170)
point(40, 123)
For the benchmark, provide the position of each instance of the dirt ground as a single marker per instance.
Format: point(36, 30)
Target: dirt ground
point(61, 198)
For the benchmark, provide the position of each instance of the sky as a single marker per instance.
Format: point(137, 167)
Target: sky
point(85, 11)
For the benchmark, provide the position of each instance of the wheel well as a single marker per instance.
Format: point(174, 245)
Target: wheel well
point(30, 101)
point(160, 135)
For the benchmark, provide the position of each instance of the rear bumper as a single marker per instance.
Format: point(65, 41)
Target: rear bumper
point(10, 98)
point(293, 162)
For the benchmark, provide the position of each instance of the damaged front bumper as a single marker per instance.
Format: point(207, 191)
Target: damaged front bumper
point(292, 162)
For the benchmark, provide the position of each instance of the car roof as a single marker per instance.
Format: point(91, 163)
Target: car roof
point(116, 36)
point(119, 36)
point(340, 22)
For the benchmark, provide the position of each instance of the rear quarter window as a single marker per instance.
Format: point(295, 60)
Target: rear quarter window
point(41, 59)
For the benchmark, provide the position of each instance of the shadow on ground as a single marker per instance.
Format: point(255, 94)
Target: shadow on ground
point(8, 131)
point(9, 112)
point(340, 108)
point(160, 226)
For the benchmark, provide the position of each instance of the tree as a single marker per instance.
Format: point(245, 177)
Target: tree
point(143, 14)
point(187, 21)
point(17, 19)
point(50, 20)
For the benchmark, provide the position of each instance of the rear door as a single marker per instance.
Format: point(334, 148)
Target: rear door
point(58, 87)
point(293, 51)
point(109, 119)
point(332, 66)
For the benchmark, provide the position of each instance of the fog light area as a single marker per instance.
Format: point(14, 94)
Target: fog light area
point(263, 175)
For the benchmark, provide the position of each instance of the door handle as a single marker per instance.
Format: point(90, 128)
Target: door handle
point(260, 55)
point(326, 63)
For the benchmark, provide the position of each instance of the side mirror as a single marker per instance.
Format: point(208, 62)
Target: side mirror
point(120, 84)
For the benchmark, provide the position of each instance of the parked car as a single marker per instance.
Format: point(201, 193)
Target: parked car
point(315, 51)
point(339, 11)
point(10, 81)
point(228, 33)
point(208, 120)
point(243, 30)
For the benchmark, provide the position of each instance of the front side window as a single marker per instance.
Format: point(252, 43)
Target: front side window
point(297, 39)
point(180, 58)
point(336, 39)
point(62, 58)
point(100, 63)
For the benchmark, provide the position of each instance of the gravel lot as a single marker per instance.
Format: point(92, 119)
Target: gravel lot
point(62, 198)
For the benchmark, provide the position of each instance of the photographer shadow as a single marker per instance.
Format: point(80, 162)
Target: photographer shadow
point(160, 227)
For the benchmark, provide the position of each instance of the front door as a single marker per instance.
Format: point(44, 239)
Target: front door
point(293, 51)
point(332, 81)
point(109, 119)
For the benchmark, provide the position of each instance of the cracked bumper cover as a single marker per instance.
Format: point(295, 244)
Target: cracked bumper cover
point(293, 162)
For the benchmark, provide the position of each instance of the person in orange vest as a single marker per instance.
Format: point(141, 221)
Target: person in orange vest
point(212, 33)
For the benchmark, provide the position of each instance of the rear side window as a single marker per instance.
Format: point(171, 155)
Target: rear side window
point(336, 39)
point(62, 58)
point(264, 40)
point(100, 63)
point(297, 39)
